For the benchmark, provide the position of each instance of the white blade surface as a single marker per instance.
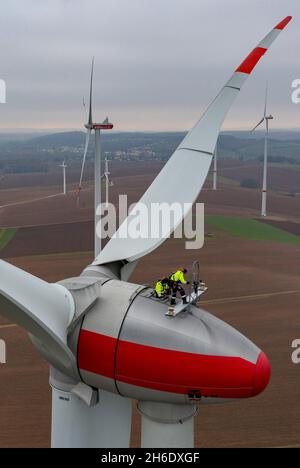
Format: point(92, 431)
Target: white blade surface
point(182, 178)
point(90, 121)
point(44, 310)
point(259, 123)
point(266, 100)
point(87, 139)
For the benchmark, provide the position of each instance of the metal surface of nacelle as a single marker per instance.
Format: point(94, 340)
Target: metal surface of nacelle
point(125, 344)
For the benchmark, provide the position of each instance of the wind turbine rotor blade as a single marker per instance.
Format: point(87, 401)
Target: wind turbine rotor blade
point(44, 310)
point(259, 123)
point(76, 425)
point(266, 100)
point(182, 178)
point(87, 140)
point(90, 121)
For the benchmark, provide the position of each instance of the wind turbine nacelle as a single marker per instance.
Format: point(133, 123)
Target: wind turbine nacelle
point(100, 126)
point(126, 345)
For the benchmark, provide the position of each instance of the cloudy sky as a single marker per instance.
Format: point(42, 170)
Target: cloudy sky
point(158, 62)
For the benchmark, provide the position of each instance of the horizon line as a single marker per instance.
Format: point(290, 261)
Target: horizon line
point(73, 129)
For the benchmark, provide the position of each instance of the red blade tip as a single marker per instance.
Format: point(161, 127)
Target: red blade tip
point(284, 23)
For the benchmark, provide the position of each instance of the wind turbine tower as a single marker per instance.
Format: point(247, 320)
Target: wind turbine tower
point(215, 169)
point(64, 167)
point(96, 127)
point(265, 119)
point(108, 182)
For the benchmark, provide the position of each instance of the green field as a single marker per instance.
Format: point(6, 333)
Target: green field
point(6, 236)
point(251, 229)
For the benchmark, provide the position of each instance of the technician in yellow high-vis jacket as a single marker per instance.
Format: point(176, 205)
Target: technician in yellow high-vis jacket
point(162, 288)
point(177, 281)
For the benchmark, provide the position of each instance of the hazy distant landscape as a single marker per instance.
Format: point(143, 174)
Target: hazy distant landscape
point(32, 159)
point(36, 153)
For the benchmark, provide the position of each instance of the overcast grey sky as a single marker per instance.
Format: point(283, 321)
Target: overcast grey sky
point(158, 62)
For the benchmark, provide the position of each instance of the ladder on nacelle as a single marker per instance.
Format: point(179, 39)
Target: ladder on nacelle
point(196, 289)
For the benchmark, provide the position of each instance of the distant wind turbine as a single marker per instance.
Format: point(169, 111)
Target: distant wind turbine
point(108, 182)
point(64, 167)
point(96, 127)
point(265, 119)
point(215, 169)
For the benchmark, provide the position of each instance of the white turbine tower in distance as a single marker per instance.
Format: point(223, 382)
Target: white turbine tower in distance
point(109, 341)
point(265, 119)
point(64, 167)
point(97, 127)
point(215, 169)
point(108, 182)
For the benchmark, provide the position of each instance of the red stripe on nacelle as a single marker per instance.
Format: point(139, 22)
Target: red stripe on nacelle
point(284, 23)
point(178, 372)
point(250, 62)
point(96, 353)
point(169, 370)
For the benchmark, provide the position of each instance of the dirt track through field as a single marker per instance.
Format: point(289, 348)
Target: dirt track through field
point(24, 202)
point(33, 200)
point(249, 298)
